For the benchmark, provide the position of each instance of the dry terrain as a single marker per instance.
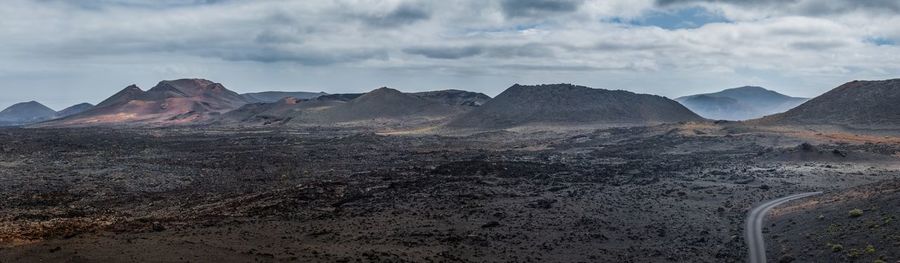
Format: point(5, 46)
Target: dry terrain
point(671, 193)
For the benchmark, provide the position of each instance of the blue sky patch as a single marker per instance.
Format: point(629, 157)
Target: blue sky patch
point(881, 41)
point(684, 18)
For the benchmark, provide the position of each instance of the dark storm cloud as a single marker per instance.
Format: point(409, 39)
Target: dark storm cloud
point(740, 2)
point(273, 49)
point(532, 50)
point(805, 7)
point(531, 8)
point(400, 16)
point(445, 52)
point(494, 51)
point(100, 4)
point(275, 37)
point(304, 57)
point(819, 45)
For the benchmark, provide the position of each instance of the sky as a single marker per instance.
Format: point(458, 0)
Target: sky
point(61, 52)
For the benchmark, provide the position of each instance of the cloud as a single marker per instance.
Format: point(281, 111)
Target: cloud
point(819, 45)
point(803, 7)
point(103, 4)
point(308, 57)
point(402, 15)
point(533, 8)
point(445, 52)
point(503, 51)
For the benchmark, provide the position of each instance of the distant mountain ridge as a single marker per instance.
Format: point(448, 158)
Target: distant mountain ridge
point(203, 102)
point(571, 105)
point(860, 104)
point(170, 102)
point(742, 103)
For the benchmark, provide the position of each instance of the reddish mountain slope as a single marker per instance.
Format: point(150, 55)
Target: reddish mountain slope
point(173, 102)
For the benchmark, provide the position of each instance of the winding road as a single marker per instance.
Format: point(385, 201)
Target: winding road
point(755, 240)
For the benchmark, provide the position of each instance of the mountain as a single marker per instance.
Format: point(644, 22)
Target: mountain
point(279, 112)
point(387, 103)
point(861, 104)
point(132, 92)
point(455, 97)
point(340, 97)
point(571, 105)
point(383, 106)
point(274, 96)
point(74, 109)
point(741, 103)
point(25, 113)
point(171, 102)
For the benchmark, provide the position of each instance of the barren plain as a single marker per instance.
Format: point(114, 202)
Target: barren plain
point(669, 193)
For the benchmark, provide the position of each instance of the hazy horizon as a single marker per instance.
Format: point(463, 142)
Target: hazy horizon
point(62, 53)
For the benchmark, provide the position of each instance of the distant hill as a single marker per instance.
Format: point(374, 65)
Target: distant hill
point(741, 103)
point(386, 103)
point(571, 105)
point(280, 112)
point(274, 96)
point(171, 102)
point(74, 109)
point(25, 113)
point(380, 106)
point(455, 97)
point(340, 97)
point(861, 104)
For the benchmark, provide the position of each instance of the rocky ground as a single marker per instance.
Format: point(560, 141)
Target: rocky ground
point(675, 193)
point(856, 225)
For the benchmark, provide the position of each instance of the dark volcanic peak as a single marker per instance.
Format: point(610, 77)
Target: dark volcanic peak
point(383, 91)
point(866, 104)
point(382, 96)
point(74, 109)
point(132, 92)
point(386, 103)
point(187, 88)
point(567, 105)
point(455, 97)
point(741, 103)
point(25, 113)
